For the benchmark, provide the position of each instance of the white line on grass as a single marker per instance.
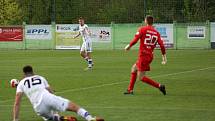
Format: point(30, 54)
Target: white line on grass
point(12, 106)
point(116, 83)
point(123, 108)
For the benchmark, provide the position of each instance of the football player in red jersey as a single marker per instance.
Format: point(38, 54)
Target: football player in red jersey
point(148, 37)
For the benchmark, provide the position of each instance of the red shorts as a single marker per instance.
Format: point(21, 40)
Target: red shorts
point(143, 62)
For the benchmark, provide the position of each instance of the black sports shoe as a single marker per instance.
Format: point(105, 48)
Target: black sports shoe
point(162, 89)
point(129, 92)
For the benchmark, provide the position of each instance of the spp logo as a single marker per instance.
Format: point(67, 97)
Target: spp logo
point(63, 28)
point(38, 31)
point(162, 31)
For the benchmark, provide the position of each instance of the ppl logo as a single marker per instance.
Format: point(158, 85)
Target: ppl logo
point(38, 31)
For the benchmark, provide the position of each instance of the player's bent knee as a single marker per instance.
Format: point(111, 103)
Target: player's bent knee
point(73, 107)
point(134, 69)
point(82, 52)
point(140, 77)
point(89, 55)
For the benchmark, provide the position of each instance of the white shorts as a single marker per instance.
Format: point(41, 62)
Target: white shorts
point(86, 45)
point(50, 104)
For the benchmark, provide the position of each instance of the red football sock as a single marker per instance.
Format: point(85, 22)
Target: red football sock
point(150, 82)
point(132, 81)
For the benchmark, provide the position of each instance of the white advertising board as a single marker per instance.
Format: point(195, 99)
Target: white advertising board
point(196, 32)
point(64, 36)
point(38, 32)
point(166, 32)
point(100, 34)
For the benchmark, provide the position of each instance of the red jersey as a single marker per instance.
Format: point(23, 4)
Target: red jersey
point(149, 37)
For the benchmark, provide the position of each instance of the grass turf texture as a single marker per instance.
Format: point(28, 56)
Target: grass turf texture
point(190, 94)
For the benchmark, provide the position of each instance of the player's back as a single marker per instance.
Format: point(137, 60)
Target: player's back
point(34, 87)
point(148, 40)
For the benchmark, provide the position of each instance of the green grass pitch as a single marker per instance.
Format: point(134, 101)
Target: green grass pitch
point(189, 77)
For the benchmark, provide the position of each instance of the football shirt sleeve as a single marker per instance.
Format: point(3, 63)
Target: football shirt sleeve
point(137, 36)
point(160, 42)
point(86, 26)
point(19, 88)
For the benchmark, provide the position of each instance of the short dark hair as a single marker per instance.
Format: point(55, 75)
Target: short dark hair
point(27, 69)
point(149, 19)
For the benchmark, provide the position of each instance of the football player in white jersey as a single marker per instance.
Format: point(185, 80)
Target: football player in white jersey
point(44, 102)
point(86, 48)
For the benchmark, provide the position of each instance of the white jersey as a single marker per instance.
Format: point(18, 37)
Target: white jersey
point(84, 32)
point(34, 88)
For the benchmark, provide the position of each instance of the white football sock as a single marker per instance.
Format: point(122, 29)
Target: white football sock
point(83, 113)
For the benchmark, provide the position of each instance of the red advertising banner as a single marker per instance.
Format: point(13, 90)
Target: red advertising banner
point(11, 33)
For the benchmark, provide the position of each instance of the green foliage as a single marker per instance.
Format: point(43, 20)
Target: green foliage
point(36, 11)
point(105, 11)
point(10, 13)
point(99, 11)
point(199, 10)
point(196, 10)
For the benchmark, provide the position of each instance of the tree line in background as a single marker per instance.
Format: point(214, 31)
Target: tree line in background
point(14, 12)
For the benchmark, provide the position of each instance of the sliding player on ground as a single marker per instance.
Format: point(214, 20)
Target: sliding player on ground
point(44, 102)
point(148, 37)
point(86, 48)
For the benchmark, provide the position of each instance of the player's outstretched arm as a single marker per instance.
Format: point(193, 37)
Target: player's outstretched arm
point(77, 35)
point(134, 41)
point(16, 107)
point(164, 59)
point(127, 47)
point(163, 50)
